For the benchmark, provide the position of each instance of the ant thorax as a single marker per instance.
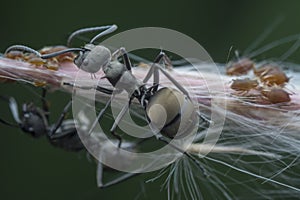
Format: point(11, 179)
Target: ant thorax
point(119, 76)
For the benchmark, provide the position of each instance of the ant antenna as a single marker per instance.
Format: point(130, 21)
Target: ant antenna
point(108, 29)
point(22, 48)
point(50, 55)
point(43, 56)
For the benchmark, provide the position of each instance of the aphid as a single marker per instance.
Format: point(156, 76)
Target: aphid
point(241, 67)
point(52, 65)
point(276, 95)
point(262, 70)
point(271, 75)
point(244, 85)
point(35, 121)
point(36, 61)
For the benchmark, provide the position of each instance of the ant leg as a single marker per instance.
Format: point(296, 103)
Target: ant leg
point(45, 104)
point(98, 88)
point(124, 177)
point(154, 70)
point(99, 116)
point(117, 121)
point(151, 70)
point(22, 48)
point(122, 52)
point(7, 123)
point(161, 138)
point(117, 180)
point(177, 84)
point(161, 57)
point(60, 119)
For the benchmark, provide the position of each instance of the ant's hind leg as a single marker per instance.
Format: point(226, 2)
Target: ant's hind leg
point(100, 172)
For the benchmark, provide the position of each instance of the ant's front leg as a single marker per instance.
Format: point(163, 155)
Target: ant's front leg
point(53, 130)
point(63, 133)
point(45, 104)
point(122, 52)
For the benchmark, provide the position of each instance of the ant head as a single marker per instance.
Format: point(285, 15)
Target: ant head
point(93, 58)
point(33, 120)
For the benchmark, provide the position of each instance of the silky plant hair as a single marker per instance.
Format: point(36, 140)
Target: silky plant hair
point(258, 148)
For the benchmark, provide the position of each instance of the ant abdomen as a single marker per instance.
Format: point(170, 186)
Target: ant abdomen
point(172, 113)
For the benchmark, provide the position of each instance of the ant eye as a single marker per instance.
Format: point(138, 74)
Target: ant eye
point(85, 62)
point(79, 59)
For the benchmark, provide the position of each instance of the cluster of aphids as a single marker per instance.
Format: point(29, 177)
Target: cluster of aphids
point(51, 63)
point(267, 85)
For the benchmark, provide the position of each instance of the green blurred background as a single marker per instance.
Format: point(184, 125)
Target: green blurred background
point(33, 169)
